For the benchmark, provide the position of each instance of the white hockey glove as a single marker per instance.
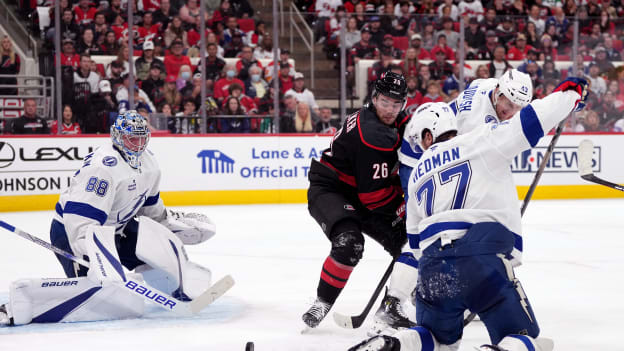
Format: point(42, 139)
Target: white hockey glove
point(191, 228)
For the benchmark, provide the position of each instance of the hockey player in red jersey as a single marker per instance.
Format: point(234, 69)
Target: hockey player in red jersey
point(355, 188)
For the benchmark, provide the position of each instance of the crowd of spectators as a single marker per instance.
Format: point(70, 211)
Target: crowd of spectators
point(421, 39)
point(168, 80)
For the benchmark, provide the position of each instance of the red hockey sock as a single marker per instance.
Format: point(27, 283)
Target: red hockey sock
point(334, 277)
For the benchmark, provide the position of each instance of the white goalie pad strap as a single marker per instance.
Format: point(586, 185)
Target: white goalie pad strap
point(70, 300)
point(191, 228)
point(197, 279)
point(161, 249)
point(105, 264)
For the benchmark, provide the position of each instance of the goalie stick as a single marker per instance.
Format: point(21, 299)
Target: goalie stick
point(181, 308)
point(585, 153)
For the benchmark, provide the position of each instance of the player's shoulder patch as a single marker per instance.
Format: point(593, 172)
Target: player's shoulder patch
point(110, 161)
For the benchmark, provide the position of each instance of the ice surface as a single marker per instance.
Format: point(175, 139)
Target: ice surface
point(572, 273)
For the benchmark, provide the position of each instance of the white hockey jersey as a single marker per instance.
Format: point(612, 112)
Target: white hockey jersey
point(468, 180)
point(473, 107)
point(107, 191)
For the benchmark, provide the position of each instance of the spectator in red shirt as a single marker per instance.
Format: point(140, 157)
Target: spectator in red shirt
point(148, 5)
point(83, 13)
point(414, 97)
point(520, 50)
point(69, 126)
point(416, 43)
point(246, 60)
point(448, 52)
point(175, 60)
point(148, 31)
point(285, 79)
point(69, 57)
point(221, 87)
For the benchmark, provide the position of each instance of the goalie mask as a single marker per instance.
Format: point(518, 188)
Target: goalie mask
point(130, 136)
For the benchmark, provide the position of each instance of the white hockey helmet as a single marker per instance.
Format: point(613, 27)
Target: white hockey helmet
point(437, 117)
point(516, 86)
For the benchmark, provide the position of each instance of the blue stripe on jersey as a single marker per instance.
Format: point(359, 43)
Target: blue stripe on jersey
point(531, 125)
point(414, 240)
point(85, 210)
point(407, 150)
point(435, 228)
point(425, 338)
point(152, 200)
point(57, 313)
point(113, 261)
point(408, 259)
point(58, 209)
point(453, 105)
point(525, 340)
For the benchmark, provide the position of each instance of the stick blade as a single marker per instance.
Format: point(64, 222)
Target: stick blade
point(585, 155)
point(347, 322)
point(214, 292)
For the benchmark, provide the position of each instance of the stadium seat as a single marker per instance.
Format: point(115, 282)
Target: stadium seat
point(563, 57)
point(137, 53)
point(401, 43)
point(246, 24)
point(618, 44)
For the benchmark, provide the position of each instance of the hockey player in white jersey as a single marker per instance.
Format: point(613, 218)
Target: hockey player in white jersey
point(492, 100)
point(112, 215)
point(484, 101)
point(464, 216)
point(428, 124)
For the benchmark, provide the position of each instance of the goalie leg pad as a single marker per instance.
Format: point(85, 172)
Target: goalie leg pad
point(105, 263)
point(70, 300)
point(162, 250)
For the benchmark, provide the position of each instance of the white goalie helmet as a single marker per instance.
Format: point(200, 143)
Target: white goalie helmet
point(130, 135)
point(516, 86)
point(436, 117)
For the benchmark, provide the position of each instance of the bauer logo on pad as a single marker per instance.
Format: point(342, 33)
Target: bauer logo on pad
point(215, 161)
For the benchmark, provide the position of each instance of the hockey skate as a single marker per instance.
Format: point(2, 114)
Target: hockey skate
point(5, 319)
point(378, 343)
point(316, 313)
point(390, 317)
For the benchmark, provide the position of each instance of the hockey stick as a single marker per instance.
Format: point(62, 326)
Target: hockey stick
point(531, 190)
point(585, 153)
point(353, 322)
point(165, 301)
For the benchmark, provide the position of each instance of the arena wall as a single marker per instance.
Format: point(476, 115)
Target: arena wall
point(246, 169)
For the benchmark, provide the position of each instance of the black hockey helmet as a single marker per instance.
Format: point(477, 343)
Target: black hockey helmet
point(392, 85)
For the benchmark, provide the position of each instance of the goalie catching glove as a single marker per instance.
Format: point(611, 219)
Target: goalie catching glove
point(191, 228)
